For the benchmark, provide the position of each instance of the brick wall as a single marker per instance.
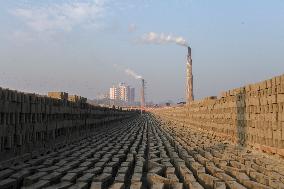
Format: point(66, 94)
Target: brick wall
point(31, 123)
point(250, 115)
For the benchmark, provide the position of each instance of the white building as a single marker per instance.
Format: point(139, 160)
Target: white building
point(122, 92)
point(114, 93)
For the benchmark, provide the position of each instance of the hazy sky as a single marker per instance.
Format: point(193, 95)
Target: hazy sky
point(73, 45)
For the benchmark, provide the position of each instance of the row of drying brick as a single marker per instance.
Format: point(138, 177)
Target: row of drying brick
point(29, 121)
point(17, 139)
point(268, 87)
point(255, 133)
point(266, 129)
point(93, 162)
point(147, 153)
point(218, 158)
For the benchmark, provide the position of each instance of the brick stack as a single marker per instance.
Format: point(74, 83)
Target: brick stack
point(250, 115)
point(30, 122)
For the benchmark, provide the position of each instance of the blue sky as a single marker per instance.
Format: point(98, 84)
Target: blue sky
point(74, 45)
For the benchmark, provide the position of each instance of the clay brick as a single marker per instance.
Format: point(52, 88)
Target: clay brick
point(6, 173)
point(254, 185)
point(8, 183)
point(33, 178)
point(136, 185)
point(280, 98)
point(269, 83)
point(60, 185)
point(104, 178)
point(195, 185)
point(158, 186)
point(280, 88)
point(263, 85)
point(69, 177)
point(117, 186)
point(87, 177)
point(136, 177)
point(79, 185)
point(282, 129)
point(206, 180)
point(39, 184)
point(234, 185)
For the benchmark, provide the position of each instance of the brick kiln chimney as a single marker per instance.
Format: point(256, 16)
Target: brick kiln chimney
point(189, 78)
point(142, 95)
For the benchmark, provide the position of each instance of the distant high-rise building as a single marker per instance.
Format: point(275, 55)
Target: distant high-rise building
point(114, 93)
point(132, 95)
point(122, 92)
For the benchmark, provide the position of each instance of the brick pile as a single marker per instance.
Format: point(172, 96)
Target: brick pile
point(31, 123)
point(251, 115)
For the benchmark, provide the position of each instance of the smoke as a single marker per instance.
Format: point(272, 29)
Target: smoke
point(132, 28)
point(127, 71)
point(153, 37)
point(132, 73)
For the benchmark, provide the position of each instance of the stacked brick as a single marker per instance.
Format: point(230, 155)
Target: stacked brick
point(251, 115)
point(30, 122)
point(144, 152)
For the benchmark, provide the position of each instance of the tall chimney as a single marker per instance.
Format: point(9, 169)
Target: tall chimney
point(189, 78)
point(142, 95)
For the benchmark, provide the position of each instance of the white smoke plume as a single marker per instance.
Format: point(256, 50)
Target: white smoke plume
point(153, 37)
point(132, 73)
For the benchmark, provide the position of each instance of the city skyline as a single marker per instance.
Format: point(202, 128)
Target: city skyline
point(122, 92)
point(73, 46)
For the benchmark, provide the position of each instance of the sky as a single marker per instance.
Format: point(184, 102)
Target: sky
point(84, 47)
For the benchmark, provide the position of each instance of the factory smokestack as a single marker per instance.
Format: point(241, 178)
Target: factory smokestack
point(189, 78)
point(142, 95)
